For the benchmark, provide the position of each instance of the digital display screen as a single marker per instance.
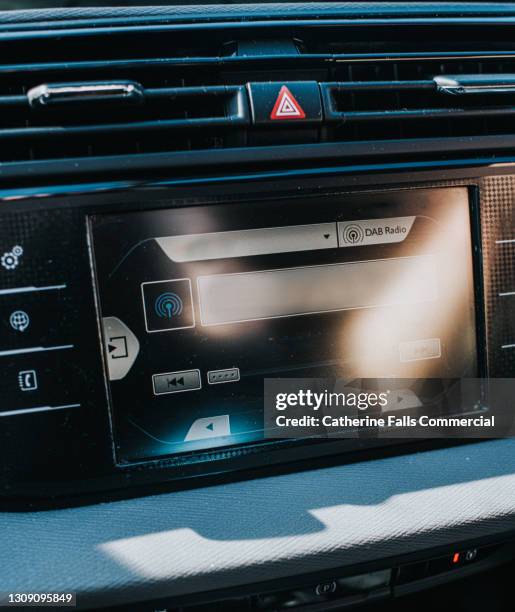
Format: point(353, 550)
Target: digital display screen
point(200, 304)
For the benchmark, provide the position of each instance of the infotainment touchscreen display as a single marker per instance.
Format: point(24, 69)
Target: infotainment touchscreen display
point(200, 304)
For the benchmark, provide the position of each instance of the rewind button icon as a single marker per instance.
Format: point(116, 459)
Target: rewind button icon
point(175, 382)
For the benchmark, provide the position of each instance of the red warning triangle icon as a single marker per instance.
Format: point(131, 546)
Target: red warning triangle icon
point(286, 106)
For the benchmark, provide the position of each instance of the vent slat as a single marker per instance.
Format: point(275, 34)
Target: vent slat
point(14, 101)
point(423, 113)
point(112, 128)
point(167, 62)
point(380, 85)
point(185, 92)
point(170, 62)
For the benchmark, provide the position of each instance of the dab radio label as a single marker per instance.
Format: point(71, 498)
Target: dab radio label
point(374, 231)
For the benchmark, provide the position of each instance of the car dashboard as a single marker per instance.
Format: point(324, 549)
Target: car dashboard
point(200, 206)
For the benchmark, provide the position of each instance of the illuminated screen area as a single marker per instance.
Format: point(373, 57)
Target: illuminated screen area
point(200, 304)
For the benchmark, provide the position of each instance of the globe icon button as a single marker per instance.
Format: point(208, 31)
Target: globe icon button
point(19, 320)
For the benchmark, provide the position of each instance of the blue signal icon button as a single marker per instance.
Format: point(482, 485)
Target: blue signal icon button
point(168, 305)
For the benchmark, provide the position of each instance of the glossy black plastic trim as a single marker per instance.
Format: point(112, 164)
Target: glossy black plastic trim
point(276, 155)
point(280, 24)
point(303, 58)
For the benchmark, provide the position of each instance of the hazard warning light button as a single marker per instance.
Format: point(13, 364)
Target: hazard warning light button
point(284, 103)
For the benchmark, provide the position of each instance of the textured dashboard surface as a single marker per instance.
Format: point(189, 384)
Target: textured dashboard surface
point(277, 10)
point(239, 533)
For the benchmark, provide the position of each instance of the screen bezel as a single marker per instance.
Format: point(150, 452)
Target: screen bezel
point(241, 456)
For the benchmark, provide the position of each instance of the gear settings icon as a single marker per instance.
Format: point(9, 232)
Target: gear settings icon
point(11, 259)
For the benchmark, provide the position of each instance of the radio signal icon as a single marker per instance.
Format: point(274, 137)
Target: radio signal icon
point(168, 305)
point(353, 234)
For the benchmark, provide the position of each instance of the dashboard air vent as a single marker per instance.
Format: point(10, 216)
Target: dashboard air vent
point(173, 89)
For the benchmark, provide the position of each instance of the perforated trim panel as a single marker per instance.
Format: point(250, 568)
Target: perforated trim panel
point(498, 229)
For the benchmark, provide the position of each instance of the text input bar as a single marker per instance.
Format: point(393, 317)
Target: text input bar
point(248, 296)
